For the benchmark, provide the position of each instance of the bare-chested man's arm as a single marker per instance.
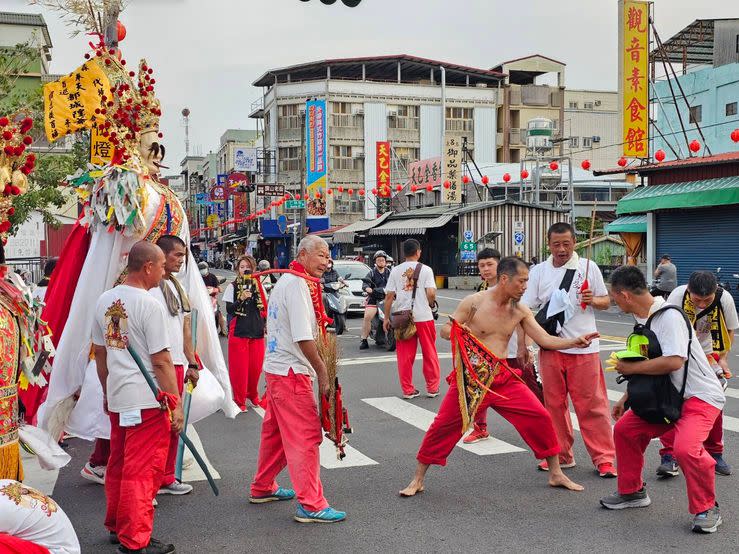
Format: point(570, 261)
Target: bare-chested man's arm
point(545, 340)
point(462, 315)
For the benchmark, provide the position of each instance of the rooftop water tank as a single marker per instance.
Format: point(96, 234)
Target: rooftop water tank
point(539, 131)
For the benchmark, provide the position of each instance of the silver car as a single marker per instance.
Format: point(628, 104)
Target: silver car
point(353, 273)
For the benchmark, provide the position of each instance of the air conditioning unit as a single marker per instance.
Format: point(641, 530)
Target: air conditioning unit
point(597, 102)
point(392, 113)
point(359, 155)
point(301, 112)
point(341, 209)
point(596, 139)
point(359, 111)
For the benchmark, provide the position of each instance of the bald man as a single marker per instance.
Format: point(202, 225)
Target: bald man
point(140, 425)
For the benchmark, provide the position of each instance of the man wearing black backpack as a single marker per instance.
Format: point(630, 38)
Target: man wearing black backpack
point(712, 312)
point(672, 349)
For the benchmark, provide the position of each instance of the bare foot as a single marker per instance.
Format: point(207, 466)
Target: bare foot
point(561, 480)
point(414, 488)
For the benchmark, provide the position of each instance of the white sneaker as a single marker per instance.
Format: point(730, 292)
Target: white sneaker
point(154, 502)
point(176, 488)
point(96, 474)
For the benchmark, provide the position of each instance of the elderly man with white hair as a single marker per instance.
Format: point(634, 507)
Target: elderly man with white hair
point(291, 431)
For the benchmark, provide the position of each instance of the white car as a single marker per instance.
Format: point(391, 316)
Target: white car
point(353, 273)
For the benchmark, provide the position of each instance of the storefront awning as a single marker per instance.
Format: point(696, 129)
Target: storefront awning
point(348, 233)
point(692, 194)
point(412, 226)
point(233, 238)
point(628, 224)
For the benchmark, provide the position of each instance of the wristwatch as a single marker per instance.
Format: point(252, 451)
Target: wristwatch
point(193, 366)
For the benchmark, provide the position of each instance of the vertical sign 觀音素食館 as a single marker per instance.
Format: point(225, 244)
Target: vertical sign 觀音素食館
point(315, 154)
point(452, 171)
point(633, 85)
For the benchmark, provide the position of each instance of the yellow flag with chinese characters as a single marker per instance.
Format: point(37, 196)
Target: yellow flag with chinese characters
point(70, 102)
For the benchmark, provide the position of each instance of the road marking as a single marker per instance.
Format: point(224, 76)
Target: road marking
point(190, 469)
point(616, 322)
point(733, 393)
point(422, 419)
point(327, 452)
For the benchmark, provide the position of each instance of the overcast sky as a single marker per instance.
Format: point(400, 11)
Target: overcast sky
point(207, 53)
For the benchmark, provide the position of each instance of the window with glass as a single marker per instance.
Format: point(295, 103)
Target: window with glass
point(341, 115)
point(696, 114)
point(731, 108)
point(587, 142)
point(587, 105)
point(573, 105)
point(342, 157)
point(574, 142)
point(289, 158)
point(344, 203)
point(407, 117)
point(407, 154)
point(459, 119)
point(288, 116)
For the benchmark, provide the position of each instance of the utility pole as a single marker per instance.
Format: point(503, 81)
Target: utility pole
point(303, 176)
point(186, 120)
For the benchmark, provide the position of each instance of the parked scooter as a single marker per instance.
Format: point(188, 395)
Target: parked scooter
point(377, 332)
point(335, 305)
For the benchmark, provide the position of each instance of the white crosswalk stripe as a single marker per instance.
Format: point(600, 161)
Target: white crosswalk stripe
point(327, 452)
point(422, 418)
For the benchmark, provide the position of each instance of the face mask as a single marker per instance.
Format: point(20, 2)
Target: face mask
point(203, 272)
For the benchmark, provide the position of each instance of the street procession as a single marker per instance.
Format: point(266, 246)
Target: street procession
point(278, 263)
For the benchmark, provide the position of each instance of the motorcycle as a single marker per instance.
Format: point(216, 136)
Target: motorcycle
point(335, 305)
point(377, 332)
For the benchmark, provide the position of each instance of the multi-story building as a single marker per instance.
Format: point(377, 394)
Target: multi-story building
point(591, 127)
point(30, 30)
point(706, 53)
point(525, 96)
point(399, 99)
point(231, 140)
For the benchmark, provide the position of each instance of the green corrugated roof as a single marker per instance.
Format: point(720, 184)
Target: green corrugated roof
point(692, 194)
point(628, 224)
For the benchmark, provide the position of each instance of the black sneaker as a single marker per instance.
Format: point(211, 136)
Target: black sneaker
point(668, 467)
point(638, 499)
point(364, 345)
point(154, 547)
point(722, 467)
point(113, 538)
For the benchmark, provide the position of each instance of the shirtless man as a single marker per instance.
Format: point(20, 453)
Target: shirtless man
point(492, 316)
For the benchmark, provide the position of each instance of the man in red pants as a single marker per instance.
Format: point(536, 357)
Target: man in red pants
point(291, 430)
point(703, 401)
point(402, 292)
point(492, 318)
point(140, 433)
point(176, 304)
point(577, 285)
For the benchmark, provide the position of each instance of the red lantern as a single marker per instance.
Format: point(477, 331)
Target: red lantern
point(447, 184)
point(506, 177)
point(694, 146)
point(414, 188)
point(429, 187)
point(622, 161)
point(297, 196)
point(287, 196)
point(524, 174)
point(329, 192)
point(485, 180)
point(398, 187)
point(465, 179)
point(350, 191)
point(585, 164)
point(361, 192)
point(318, 195)
point(659, 155)
point(374, 191)
point(554, 166)
point(735, 135)
point(121, 28)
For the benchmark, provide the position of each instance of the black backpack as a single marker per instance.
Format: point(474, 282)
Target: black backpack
point(653, 397)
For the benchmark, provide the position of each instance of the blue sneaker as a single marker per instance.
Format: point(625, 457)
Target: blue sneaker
point(722, 468)
point(327, 515)
point(279, 494)
point(668, 467)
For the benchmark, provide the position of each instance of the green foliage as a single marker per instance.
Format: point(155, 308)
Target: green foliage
point(604, 255)
point(582, 226)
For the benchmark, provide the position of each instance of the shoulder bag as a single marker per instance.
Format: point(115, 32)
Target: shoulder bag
point(402, 320)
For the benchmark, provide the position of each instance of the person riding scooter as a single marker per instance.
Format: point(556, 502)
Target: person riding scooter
point(373, 284)
point(334, 303)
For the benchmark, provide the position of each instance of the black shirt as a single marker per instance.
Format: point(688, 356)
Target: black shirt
point(248, 313)
point(210, 280)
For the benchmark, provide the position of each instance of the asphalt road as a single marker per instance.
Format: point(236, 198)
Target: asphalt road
point(490, 499)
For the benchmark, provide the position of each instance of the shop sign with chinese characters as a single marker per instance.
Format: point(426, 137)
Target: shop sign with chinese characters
point(634, 76)
point(452, 171)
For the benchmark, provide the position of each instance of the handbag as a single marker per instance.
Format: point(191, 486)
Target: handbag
point(402, 320)
point(653, 397)
point(550, 324)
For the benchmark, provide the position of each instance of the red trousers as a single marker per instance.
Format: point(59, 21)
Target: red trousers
point(632, 435)
point(580, 376)
point(481, 416)
point(714, 444)
point(134, 474)
point(174, 437)
point(520, 407)
point(245, 359)
point(406, 354)
point(100, 453)
point(10, 544)
point(291, 435)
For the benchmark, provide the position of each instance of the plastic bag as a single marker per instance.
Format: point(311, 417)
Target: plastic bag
point(207, 398)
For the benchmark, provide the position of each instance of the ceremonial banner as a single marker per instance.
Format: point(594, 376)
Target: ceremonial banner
point(70, 102)
point(452, 171)
point(315, 153)
point(633, 83)
point(383, 167)
point(425, 172)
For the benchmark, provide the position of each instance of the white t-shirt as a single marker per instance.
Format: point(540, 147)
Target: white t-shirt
point(544, 279)
point(175, 325)
point(31, 515)
point(399, 282)
point(127, 315)
point(703, 325)
point(290, 319)
point(672, 334)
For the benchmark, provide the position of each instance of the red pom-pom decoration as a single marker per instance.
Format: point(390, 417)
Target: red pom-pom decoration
point(7, 135)
point(4, 121)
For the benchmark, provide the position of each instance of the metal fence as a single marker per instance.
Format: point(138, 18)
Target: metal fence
point(31, 269)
